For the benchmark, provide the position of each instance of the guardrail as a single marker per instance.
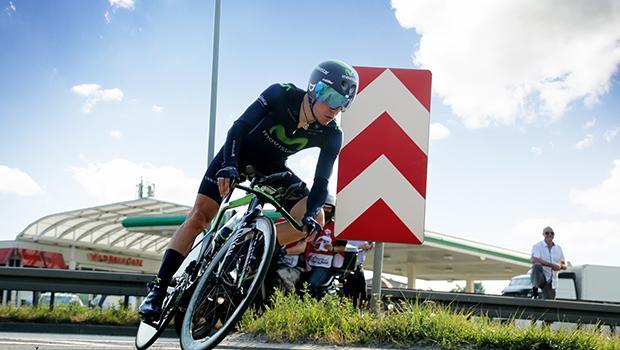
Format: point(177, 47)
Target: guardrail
point(506, 307)
point(132, 284)
point(73, 281)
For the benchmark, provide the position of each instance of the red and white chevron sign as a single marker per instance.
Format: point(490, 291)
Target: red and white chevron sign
point(383, 161)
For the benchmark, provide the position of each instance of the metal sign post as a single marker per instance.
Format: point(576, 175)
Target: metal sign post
point(377, 269)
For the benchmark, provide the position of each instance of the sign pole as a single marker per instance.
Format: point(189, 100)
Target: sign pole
point(377, 270)
point(214, 70)
point(385, 142)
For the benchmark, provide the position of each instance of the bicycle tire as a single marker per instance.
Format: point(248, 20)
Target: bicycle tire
point(146, 334)
point(209, 292)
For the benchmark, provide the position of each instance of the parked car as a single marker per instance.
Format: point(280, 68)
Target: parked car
point(519, 286)
point(60, 299)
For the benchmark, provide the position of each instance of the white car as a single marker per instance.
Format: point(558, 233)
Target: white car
point(60, 299)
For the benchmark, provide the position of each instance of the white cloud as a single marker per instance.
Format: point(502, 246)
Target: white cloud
point(106, 15)
point(439, 131)
point(303, 164)
point(13, 180)
point(10, 9)
point(116, 134)
point(95, 93)
point(609, 135)
point(116, 180)
point(157, 109)
point(585, 143)
point(603, 198)
point(126, 4)
point(590, 123)
point(583, 242)
point(536, 150)
point(516, 59)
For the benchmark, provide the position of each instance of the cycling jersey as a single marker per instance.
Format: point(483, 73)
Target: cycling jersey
point(266, 134)
point(318, 255)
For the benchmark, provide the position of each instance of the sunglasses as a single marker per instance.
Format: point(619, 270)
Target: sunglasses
point(331, 97)
point(549, 233)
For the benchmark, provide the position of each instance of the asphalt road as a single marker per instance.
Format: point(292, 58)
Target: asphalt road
point(50, 341)
point(46, 341)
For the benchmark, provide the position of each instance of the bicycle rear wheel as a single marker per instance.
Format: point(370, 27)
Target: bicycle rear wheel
point(148, 333)
point(227, 287)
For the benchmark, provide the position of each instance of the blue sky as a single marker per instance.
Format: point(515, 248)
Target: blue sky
point(525, 112)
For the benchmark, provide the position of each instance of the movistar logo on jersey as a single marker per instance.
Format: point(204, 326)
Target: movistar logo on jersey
point(286, 86)
point(279, 132)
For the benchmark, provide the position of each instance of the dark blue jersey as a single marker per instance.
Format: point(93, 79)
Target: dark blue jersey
point(266, 134)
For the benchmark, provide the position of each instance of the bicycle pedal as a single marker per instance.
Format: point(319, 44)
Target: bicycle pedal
point(153, 322)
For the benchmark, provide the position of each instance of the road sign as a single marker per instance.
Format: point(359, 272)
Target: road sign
point(383, 162)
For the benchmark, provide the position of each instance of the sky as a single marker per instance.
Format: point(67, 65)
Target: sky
point(525, 110)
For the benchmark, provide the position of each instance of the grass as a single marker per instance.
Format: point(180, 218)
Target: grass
point(335, 321)
point(69, 314)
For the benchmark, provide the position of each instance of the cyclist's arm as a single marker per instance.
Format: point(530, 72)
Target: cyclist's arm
point(296, 249)
point(247, 121)
point(324, 167)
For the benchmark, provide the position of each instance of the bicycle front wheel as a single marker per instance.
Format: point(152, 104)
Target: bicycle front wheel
point(227, 287)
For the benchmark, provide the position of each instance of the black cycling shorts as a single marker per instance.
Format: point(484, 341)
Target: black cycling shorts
point(208, 186)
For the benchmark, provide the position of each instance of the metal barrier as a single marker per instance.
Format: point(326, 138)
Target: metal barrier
point(506, 307)
point(73, 281)
point(132, 284)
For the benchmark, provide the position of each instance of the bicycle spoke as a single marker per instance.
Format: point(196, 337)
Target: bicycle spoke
point(232, 281)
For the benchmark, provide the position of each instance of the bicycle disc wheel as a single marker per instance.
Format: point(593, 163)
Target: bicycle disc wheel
point(227, 287)
point(148, 333)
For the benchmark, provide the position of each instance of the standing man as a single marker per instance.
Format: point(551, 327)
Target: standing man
point(548, 259)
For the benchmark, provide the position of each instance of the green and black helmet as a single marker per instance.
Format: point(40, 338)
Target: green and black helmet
point(334, 83)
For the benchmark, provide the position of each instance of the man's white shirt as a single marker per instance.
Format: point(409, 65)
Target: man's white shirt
point(553, 255)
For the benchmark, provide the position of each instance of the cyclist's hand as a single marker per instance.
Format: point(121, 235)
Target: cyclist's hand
point(280, 251)
point(310, 224)
point(226, 178)
point(310, 239)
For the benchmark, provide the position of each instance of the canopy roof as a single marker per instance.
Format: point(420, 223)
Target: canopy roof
point(101, 227)
point(446, 257)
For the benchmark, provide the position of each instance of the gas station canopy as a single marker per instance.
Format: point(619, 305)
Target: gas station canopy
point(101, 228)
point(445, 257)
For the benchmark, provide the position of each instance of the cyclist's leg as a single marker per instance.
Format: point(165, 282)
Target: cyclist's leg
point(205, 208)
point(286, 232)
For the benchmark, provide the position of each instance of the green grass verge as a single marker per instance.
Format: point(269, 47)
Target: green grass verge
point(336, 321)
point(69, 314)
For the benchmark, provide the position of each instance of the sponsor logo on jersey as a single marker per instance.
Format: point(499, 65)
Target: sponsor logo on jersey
point(262, 100)
point(281, 141)
point(286, 86)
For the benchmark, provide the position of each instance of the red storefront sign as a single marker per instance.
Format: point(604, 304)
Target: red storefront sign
point(113, 259)
point(34, 258)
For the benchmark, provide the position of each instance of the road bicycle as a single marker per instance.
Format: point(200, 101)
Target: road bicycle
point(211, 294)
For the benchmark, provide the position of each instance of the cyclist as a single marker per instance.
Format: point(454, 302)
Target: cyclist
point(322, 254)
point(282, 121)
